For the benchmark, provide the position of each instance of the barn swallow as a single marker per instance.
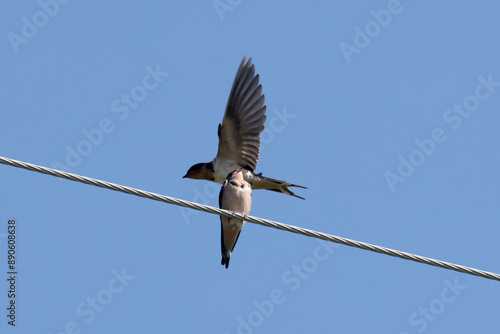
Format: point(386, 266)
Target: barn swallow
point(239, 136)
point(235, 195)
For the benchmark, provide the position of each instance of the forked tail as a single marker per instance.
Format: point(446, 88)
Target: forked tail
point(263, 182)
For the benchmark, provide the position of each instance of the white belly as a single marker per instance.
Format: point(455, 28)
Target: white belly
point(223, 167)
point(239, 201)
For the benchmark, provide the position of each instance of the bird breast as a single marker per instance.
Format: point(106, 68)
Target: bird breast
point(238, 198)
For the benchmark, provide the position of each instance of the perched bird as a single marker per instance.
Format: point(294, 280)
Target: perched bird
point(239, 136)
point(235, 195)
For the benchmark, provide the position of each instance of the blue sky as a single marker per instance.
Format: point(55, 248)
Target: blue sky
point(387, 111)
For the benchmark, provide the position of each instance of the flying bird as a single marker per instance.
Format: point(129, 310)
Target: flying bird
point(235, 195)
point(239, 136)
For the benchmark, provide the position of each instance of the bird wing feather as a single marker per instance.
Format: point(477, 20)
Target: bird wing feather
point(244, 118)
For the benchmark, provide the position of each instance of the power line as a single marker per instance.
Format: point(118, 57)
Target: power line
point(255, 220)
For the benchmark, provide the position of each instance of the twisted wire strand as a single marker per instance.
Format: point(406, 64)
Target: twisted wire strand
point(251, 219)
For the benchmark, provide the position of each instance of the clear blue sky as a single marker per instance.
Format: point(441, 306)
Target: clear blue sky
point(387, 111)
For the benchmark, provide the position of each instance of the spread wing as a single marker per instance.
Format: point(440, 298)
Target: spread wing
point(243, 122)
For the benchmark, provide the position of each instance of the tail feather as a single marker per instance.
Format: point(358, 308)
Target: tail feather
point(263, 182)
point(225, 254)
point(225, 260)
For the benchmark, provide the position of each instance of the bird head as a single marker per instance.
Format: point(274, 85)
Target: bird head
point(200, 171)
point(236, 174)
